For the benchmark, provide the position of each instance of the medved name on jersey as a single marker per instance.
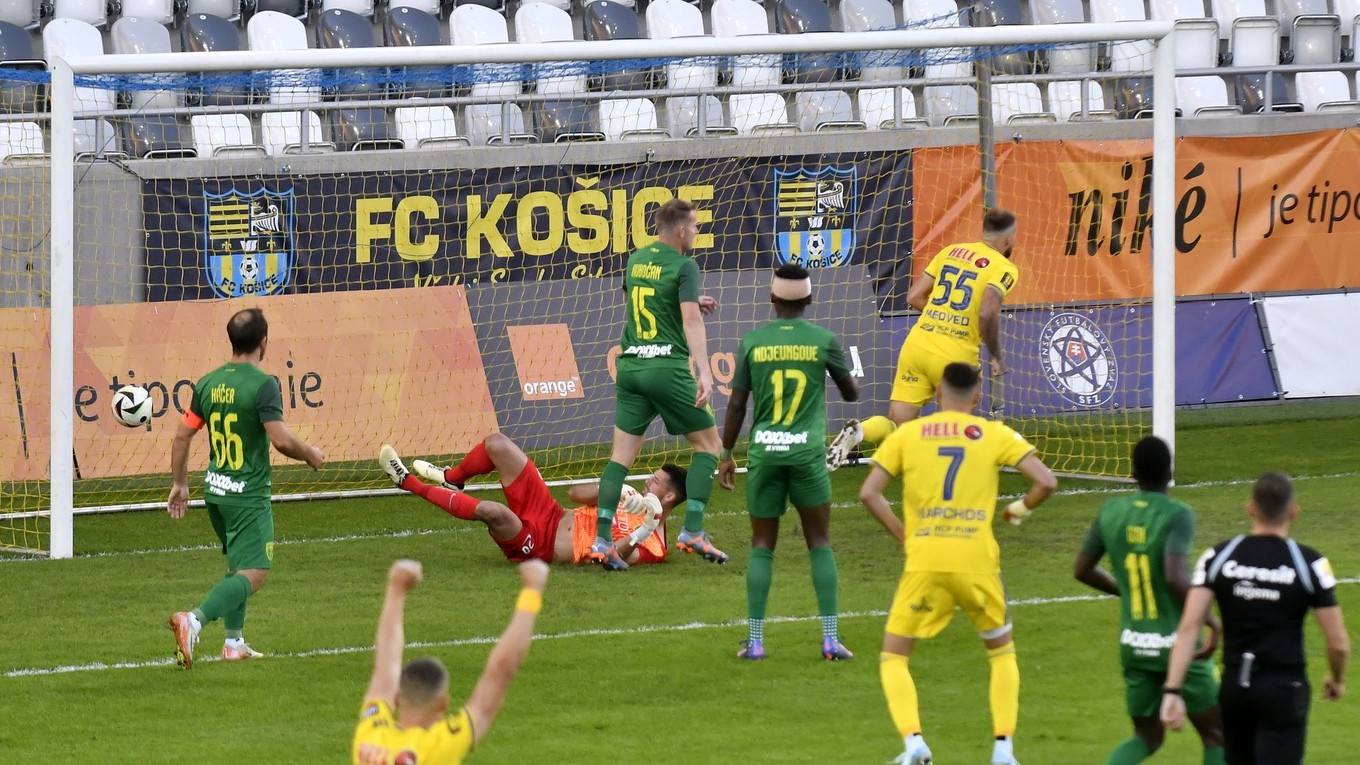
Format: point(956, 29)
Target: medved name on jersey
point(779, 441)
point(1147, 643)
point(221, 485)
point(647, 351)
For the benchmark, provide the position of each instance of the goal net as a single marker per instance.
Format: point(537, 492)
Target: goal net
point(436, 236)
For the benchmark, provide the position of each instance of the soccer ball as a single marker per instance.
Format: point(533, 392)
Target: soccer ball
point(132, 406)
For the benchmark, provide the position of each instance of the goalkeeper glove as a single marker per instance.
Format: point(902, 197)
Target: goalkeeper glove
point(629, 500)
point(1016, 512)
point(651, 508)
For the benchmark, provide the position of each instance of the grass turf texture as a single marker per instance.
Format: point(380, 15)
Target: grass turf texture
point(638, 665)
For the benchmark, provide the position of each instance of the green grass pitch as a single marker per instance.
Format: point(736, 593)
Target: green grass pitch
point(635, 667)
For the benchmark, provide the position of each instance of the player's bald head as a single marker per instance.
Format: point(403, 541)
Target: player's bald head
point(424, 685)
point(247, 329)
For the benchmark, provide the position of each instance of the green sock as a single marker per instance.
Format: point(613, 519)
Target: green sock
point(611, 488)
point(759, 572)
point(825, 580)
point(698, 487)
point(229, 594)
point(235, 620)
point(1213, 755)
point(1131, 751)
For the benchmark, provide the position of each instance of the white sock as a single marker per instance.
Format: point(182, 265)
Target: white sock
point(194, 624)
point(235, 643)
point(915, 739)
point(1003, 749)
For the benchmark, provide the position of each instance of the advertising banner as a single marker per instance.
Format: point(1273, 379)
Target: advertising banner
point(1220, 353)
point(226, 237)
point(1309, 335)
point(550, 348)
point(355, 370)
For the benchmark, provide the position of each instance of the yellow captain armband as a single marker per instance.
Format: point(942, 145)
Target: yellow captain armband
point(529, 600)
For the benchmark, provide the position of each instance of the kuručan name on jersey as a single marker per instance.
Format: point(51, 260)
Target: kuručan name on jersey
point(763, 353)
point(648, 271)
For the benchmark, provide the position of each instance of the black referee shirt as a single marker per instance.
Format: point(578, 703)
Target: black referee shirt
point(1264, 586)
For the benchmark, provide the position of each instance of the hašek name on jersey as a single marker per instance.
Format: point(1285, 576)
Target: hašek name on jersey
point(1248, 591)
point(951, 514)
point(648, 351)
point(764, 353)
point(1279, 575)
point(1147, 643)
point(778, 440)
point(220, 484)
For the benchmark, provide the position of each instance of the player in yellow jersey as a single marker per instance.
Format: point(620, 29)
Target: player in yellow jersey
point(405, 717)
point(959, 296)
point(948, 462)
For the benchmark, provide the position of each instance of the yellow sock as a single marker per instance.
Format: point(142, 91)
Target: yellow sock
point(900, 691)
point(877, 428)
point(1004, 693)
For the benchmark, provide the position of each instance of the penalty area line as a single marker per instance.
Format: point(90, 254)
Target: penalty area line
point(645, 629)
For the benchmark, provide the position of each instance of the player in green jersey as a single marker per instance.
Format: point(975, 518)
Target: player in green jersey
point(242, 407)
point(784, 364)
point(1147, 536)
point(664, 329)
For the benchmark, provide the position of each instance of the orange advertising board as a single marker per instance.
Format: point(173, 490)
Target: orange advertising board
point(545, 361)
point(1252, 214)
point(356, 369)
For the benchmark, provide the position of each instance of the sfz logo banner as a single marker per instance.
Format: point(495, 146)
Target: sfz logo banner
point(248, 244)
point(814, 215)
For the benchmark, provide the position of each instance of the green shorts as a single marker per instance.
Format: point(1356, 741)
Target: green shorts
point(771, 488)
point(642, 394)
point(1143, 689)
point(246, 533)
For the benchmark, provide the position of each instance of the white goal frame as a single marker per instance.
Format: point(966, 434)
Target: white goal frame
point(63, 72)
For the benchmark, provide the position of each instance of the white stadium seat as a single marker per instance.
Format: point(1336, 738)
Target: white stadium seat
point(421, 126)
point(824, 109)
point(20, 139)
point(537, 23)
point(876, 108)
point(92, 12)
point(137, 36)
point(69, 38)
point(667, 19)
point(274, 31)
point(218, 134)
point(282, 133)
point(682, 115)
point(761, 113)
point(1064, 99)
point(624, 119)
point(159, 11)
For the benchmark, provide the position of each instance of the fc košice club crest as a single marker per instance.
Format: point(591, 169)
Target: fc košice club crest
point(248, 247)
point(814, 215)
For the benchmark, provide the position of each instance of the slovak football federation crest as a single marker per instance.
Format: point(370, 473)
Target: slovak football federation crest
point(814, 215)
point(1079, 360)
point(248, 245)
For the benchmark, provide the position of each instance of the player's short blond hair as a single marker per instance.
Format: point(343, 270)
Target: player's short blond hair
point(672, 214)
point(424, 683)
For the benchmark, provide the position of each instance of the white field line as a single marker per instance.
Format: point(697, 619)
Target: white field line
point(490, 639)
point(1100, 490)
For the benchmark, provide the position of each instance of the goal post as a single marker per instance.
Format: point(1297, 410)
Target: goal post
point(497, 350)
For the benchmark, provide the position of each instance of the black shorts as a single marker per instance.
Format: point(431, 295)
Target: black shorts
point(1266, 722)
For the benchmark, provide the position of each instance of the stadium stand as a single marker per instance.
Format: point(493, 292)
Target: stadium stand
point(148, 136)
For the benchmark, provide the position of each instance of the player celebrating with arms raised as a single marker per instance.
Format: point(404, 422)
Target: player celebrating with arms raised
point(1147, 536)
point(948, 463)
point(664, 329)
point(243, 408)
point(785, 364)
point(959, 296)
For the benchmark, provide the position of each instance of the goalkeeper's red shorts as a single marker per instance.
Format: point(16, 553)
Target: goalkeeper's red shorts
point(529, 499)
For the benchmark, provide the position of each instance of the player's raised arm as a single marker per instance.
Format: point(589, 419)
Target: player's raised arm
point(390, 641)
point(510, 650)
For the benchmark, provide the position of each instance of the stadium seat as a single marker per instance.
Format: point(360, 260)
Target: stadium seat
point(492, 5)
point(877, 113)
point(95, 138)
point(16, 52)
point(754, 114)
point(222, 9)
point(405, 27)
point(803, 17)
point(1065, 101)
point(822, 110)
point(420, 127)
point(159, 11)
point(867, 15)
point(1347, 11)
point(499, 123)
point(1315, 39)
point(561, 5)
point(282, 133)
point(434, 8)
point(356, 127)
point(629, 119)
point(148, 136)
point(223, 134)
point(667, 19)
point(274, 31)
point(738, 18)
point(24, 14)
point(361, 7)
point(947, 104)
point(1132, 97)
point(1057, 11)
point(69, 38)
point(944, 102)
point(201, 33)
point(1127, 56)
point(298, 9)
point(92, 12)
point(996, 13)
point(1019, 102)
point(610, 20)
point(1076, 58)
point(683, 118)
point(479, 25)
point(559, 121)
point(19, 140)
point(1204, 97)
point(1317, 91)
point(537, 23)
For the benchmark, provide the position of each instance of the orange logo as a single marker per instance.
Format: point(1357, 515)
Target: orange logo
point(545, 362)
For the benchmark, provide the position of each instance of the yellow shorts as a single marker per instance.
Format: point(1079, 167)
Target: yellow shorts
point(925, 601)
point(918, 374)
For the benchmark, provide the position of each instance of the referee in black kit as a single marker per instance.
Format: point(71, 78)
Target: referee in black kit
point(1264, 584)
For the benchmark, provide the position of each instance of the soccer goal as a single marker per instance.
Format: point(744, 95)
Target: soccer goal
point(435, 233)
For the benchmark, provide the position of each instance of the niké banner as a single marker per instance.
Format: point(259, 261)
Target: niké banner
point(228, 237)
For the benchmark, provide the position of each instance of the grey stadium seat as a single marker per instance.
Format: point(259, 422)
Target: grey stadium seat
point(355, 127)
point(16, 51)
point(407, 27)
point(608, 20)
point(793, 17)
point(201, 33)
